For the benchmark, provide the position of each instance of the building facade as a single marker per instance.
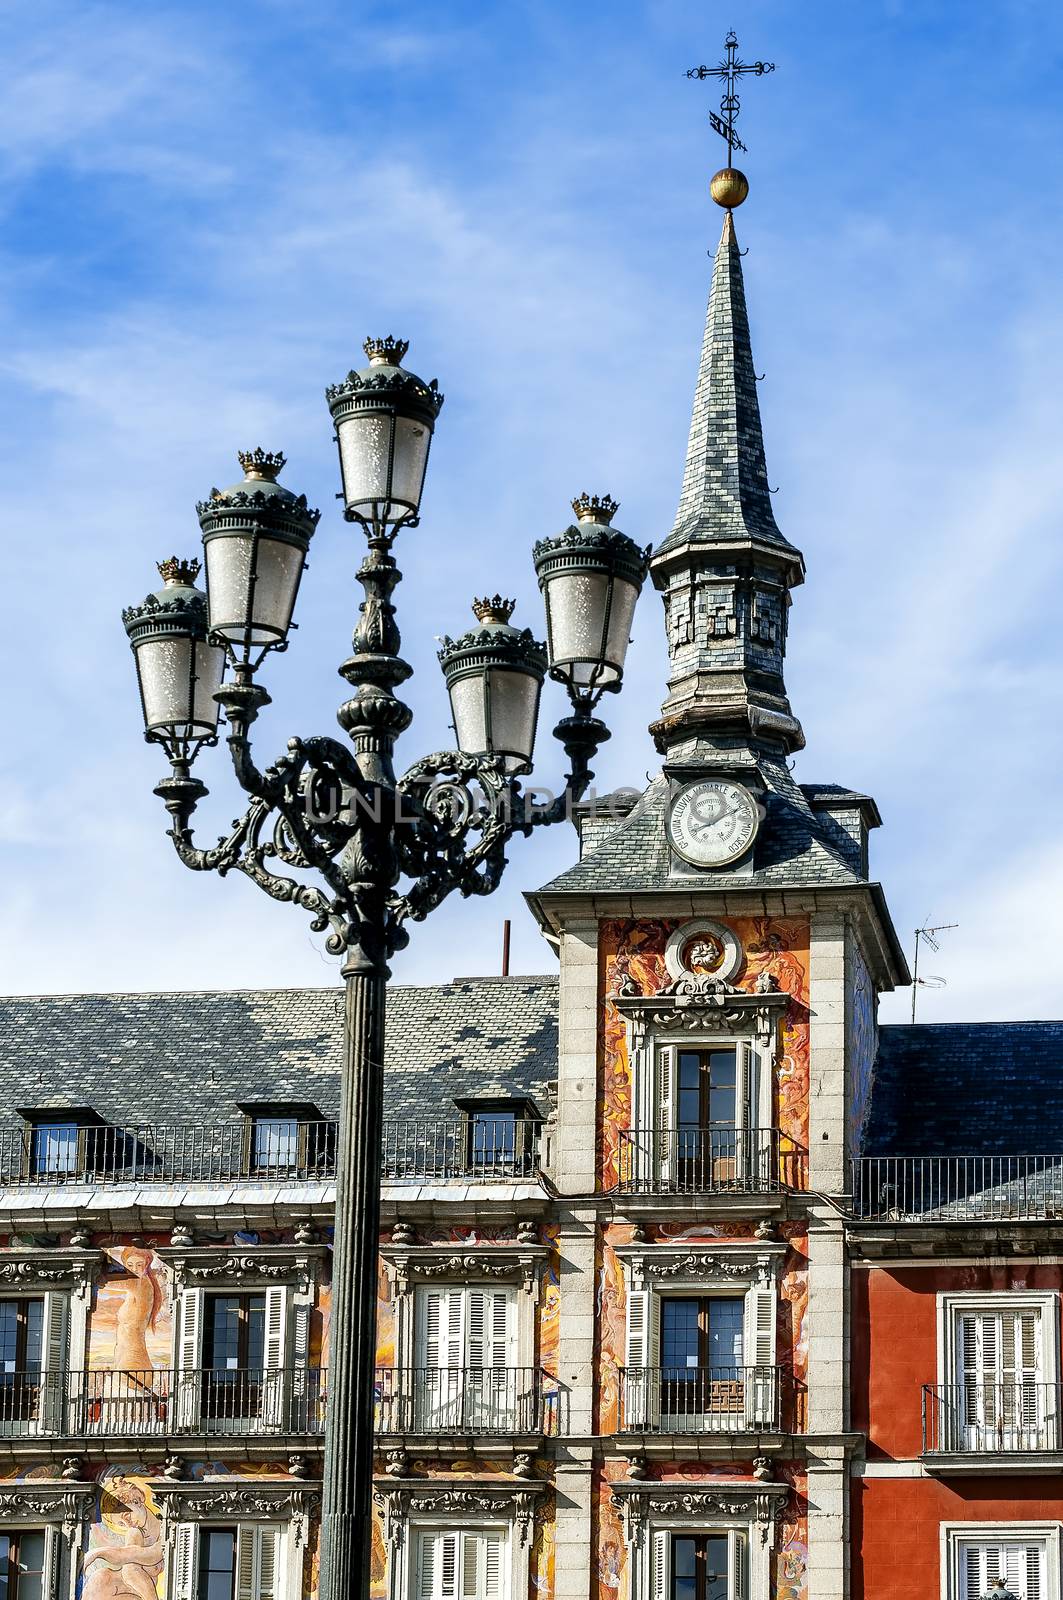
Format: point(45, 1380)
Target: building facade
point(684, 1293)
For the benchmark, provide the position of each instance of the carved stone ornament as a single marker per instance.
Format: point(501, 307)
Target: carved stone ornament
point(197, 1265)
point(237, 1500)
point(64, 1504)
point(409, 1264)
point(75, 1270)
point(757, 1504)
point(750, 1262)
point(703, 948)
point(468, 1502)
point(701, 1003)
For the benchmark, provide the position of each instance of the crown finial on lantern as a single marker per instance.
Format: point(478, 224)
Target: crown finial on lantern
point(493, 609)
point(389, 351)
point(174, 570)
point(595, 507)
point(259, 463)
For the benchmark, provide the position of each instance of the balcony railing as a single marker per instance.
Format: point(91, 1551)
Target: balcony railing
point(710, 1161)
point(162, 1404)
point(1012, 1417)
point(700, 1400)
point(480, 1149)
point(484, 1400)
point(474, 1150)
point(958, 1188)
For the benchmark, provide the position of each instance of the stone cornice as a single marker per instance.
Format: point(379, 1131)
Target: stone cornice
point(751, 1262)
point(757, 1503)
point(48, 1268)
point(198, 1266)
point(457, 1501)
point(503, 1263)
point(34, 1500)
point(247, 1498)
point(703, 1004)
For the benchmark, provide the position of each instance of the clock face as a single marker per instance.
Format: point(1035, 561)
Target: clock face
point(712, 822)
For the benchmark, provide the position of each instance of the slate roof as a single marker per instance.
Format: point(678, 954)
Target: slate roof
point(138, 1058)
point(725, 492)
point(959, 1088)
point(795, 848)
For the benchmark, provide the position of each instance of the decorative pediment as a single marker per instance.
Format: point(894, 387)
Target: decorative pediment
point(238, 1499)
point(757, 1504)
point(44, 1268)
point(497, 1263)
point(204, 1266)
point(749, 1262)
point(63, 1504)
point(457, 1502)
point(703, 1003)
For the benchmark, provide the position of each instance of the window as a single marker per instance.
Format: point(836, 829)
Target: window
point(699, 1565)
point(1021, 1563)
point(494, 1139)
point(241, 1562)
point(702, 1109)
point(274, 1144)
point(23, 1564)
point(54, 1149)
point(701, 1363)
point(233, 1354)
point(466, 1565)
point(998, 1374)
point(21, 1349)
point(466, 1376)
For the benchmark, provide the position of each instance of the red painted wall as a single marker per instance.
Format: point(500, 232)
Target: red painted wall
point(896, 1539)
point(894, 1345)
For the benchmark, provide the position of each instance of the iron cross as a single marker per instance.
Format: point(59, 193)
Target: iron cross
point(729, 71)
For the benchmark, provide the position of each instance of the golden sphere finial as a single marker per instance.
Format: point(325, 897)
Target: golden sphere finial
point(729, 187)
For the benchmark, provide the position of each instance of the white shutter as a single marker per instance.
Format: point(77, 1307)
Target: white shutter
point(185, 1561)
point(638, 1381)
point(303, 1391)
point(758, 1355)
point(441, 1340)
point(437, 1566)
point(493, 1576)
point(999, 1370)
point(664, 1138)
point(275, 1355)
point(54, 1340)
point(1021, 1565)
point(189, 1358)
point(257, 1562)
point(53, 1562)
point(489, 1377)
point(661, 1563)
point(753, 1149)
point(738, 1557)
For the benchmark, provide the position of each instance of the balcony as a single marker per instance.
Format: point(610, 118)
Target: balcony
point(701, 1401)
point(1008, 1426)
point(488, 1401)
point(717, 1161)
point(176, 1154)
point(163, 1405)
point(986, 1189)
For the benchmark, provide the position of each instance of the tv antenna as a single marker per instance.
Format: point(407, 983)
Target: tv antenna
point(929, 936)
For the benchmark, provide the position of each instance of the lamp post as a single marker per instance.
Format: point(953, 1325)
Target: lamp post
point(362, 851)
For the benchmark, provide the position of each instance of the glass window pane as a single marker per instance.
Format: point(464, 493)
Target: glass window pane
point(494, 1137)
point(716, 1567)
point(30, 1566)
point(217, 1563)
point(725, 1333)
point(55, 1147)
point(276, 1143)
point(5, 1566)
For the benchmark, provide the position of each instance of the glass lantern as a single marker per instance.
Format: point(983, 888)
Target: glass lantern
point(384, 417)
point(177, 668)
point(591, 576)
point(494, 676)
point(255, 539)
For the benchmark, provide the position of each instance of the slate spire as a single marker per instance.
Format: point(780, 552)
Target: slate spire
point(726, 570)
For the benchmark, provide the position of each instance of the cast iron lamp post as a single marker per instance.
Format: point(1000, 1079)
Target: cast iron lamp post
point(381, 850)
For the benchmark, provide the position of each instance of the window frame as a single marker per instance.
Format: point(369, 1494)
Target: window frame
point(954, 1535)
point(183, 1568)
point(953, 1304)
point(422, 1527)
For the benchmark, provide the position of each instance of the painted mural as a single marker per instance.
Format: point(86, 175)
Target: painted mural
point(861, 1027)
point(635, 950)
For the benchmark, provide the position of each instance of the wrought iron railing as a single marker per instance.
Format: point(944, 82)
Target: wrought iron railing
point(958, 1188)
point(471, 1149)
point(1010, 1417)
point(475, 1149)
point(484, 1400)
point(700, 1400)
point(710, 1160)
point(198, 1401)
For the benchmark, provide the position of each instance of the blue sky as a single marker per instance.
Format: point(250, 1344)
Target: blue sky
point(207, 207)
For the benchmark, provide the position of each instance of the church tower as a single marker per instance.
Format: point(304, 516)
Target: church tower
point(722, 950)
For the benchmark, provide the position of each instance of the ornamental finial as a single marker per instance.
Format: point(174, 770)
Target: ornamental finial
point(386, 352)
point(259, 463)
point(174, 570)
point(595, 507)
point(729, 187)
point(494, 609)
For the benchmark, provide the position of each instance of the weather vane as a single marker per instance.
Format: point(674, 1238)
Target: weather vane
point(729, 71)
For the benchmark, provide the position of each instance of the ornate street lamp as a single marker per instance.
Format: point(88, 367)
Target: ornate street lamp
point(333, 830)
point(178, 670)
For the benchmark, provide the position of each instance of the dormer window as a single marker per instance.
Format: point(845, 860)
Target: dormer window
point(54, 1148)
point(285, 1137)
point(274, 1144)
point(63, 1142)
point(500, 1135)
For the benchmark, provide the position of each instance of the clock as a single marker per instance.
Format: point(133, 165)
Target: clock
point(712, 822)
